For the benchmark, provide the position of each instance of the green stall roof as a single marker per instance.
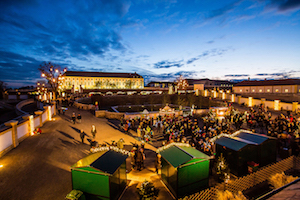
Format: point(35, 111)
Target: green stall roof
point(195, 153)
point(105, 161)
point(233, 143)
point(256, 138)
point(177, 156)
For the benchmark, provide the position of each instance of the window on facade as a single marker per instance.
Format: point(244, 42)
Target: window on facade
point(286, 90)
point(253, 90)
point(260, 90)
point(268, 90)
point(276, 90)
point(241, 90)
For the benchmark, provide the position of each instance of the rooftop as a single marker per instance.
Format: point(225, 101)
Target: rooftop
point(178, 156)
point(102, 74)
point(270, 82)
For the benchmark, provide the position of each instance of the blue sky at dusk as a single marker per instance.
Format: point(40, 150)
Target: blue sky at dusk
point(159, 40)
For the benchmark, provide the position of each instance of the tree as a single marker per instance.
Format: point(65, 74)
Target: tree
point(128, 83)
point(182, 83)
point(2, 88)
point(107, 83)
point(53, 74)
point(99, 84)
point(222, 168)
point(181, 100)
point(192, 99)
point(166, 99)
point(113, 85)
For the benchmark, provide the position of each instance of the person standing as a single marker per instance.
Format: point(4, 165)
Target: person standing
point(73, 118)
point(79, 118)
point(158, 163)
point(94, 131)
point(139, 160)
point(82, 135)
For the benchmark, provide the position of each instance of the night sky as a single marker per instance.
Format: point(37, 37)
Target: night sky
point(159, 40)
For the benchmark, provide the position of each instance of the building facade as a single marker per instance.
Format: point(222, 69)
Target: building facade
point(77, 81)
point(284, 86)
point(161, 84)
point(208, 84)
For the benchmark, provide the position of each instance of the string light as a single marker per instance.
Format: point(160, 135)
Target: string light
point(229, 135)
point(116, 149)
point(179, 144)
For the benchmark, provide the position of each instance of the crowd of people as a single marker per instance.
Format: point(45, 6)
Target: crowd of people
point(199, 132)
point(187, 129)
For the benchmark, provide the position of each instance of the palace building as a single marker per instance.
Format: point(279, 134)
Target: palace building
point(283, 86)
point(77, 80)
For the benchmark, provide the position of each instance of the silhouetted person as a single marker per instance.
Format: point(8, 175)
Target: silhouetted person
point(82, 135)
point(79, 118)
point(93, 143)
point(73, 118)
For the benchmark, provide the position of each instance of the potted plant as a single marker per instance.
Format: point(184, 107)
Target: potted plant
point(147, 191)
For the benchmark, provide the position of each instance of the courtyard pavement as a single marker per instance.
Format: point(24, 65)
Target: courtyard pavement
point(39, 168)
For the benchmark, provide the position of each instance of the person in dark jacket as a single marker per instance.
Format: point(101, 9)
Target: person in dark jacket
point(82, 135)
point(79, 118)
point(139, 160)
point(73, 118)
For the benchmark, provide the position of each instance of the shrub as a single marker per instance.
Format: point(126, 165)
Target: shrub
point(227, 195)
point(280, 179)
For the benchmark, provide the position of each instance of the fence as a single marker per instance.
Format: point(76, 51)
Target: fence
point(109, 115)
point(246, 182)
point(17, 130)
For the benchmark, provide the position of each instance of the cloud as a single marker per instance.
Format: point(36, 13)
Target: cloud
point(18, 68)
point(236, 75)
point(95, 31)
point(168, 64)
point(241, 18)
point(286, 5)
point(285, 75)
point(170, 76)
point(224, 10)
point(209, 53)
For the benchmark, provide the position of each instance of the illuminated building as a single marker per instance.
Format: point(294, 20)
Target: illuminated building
point(268, 86)
point(101, 80)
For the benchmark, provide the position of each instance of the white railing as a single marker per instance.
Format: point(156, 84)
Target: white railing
point(16, 132)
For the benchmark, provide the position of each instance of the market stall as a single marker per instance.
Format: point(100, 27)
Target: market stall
point(184, 169)
point(244, 147)
point(100, 175)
